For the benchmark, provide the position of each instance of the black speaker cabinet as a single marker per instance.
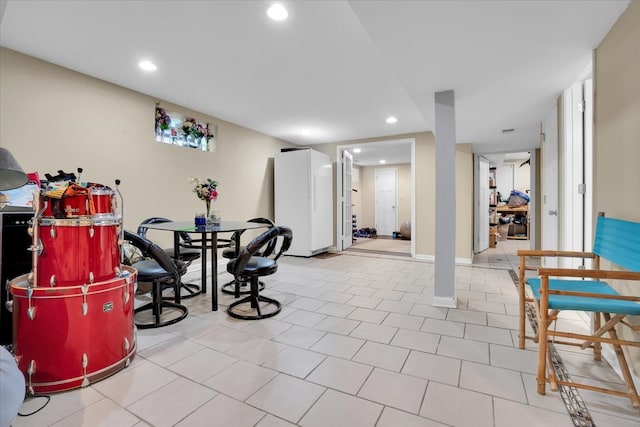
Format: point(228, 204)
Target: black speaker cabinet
point(15, 259)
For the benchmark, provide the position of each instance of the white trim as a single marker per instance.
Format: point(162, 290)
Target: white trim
point(413, 198)
point(444, 302)
point(432, 258)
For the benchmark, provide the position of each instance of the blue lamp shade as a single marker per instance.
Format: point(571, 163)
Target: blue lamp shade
point(11, 174)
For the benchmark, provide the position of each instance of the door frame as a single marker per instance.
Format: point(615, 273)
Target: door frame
point(346, 197)
point(478, 217)
point(532, 193)
point(338, 204)
point(550, 186)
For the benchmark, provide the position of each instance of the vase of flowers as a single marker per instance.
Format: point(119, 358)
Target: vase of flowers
point(205, 190)
point(202, 134)
point(187, 128)
point(163, 122)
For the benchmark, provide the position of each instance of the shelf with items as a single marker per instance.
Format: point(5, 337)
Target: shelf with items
point(493, 189)
point(354, 225)
point(493, 204)
point(517, 230)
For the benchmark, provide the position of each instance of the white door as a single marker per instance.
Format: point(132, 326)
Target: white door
point(482, 204)
point(550, 186)
point(347, 219)
point(386, 201)
point(321, 201)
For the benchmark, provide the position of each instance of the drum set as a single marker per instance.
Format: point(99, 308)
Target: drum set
point(73, 313)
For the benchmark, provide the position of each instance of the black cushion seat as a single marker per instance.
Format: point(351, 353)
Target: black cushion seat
point(231, 253)
point(187, 255)
point(149, 270)
point(257, 265)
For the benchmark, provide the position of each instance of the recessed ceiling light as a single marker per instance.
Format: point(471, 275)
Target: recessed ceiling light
point(391, 120)
point(277, 12)
point(382, 162)
point(305, 132)
point(147, 65)
point(356, 150)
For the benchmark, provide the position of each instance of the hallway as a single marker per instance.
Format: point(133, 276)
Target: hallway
point(503, 256)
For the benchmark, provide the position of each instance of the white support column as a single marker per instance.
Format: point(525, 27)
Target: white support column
point(444, 292)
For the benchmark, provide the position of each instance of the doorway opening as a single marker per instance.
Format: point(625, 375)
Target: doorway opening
point(376, 217)
point(502, 227)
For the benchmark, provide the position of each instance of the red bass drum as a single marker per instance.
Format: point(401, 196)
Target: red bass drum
point(70, 337)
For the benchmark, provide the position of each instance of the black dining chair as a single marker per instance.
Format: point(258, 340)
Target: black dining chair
point(249, 267)
point(235, 287)
point(162, 271)
point(186, 253)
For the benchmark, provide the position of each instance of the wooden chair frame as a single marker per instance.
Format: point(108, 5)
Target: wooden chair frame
point(593, 291)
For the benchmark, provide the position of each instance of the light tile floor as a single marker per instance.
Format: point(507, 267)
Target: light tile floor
point(356, 344)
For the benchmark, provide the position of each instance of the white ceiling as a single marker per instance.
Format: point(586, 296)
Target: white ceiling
point(336, 69)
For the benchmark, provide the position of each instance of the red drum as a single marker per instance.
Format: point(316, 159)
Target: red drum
point(77, 251)
point(70, 337)
point(103, 200)
point(93, 201)
point(67, 207)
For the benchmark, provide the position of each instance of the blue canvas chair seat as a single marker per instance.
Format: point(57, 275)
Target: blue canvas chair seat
point(554, 290)
point(579, 303)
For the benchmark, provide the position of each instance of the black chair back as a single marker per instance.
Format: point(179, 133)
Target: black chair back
point(154, 251)
point(268, 238)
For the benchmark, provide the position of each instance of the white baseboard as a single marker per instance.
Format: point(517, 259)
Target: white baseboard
point(432, 258)
point(444, 302)
point(423, 257)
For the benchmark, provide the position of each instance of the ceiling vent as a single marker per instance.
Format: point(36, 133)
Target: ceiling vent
point(507, 131)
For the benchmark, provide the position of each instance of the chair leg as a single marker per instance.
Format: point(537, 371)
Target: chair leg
point(597, 345)
point(192, 290)
point(522, 306)
point(624, 367)
point(237, 288)
point(253, 299)
point(157, 304)
point(553, 384)
point(542, 337)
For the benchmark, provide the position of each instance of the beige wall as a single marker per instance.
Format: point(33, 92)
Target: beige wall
point(53, 118)
point(464, 201)
point(367, 176)
point(521, 176)
point(425, 191)
point(617, 131)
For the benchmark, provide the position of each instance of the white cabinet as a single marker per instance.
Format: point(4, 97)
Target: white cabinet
point(303, 198)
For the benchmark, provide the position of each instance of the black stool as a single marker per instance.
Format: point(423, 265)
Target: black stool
point(186, 254)
point(161, 271)
point(235, 287)
point(248, 268)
